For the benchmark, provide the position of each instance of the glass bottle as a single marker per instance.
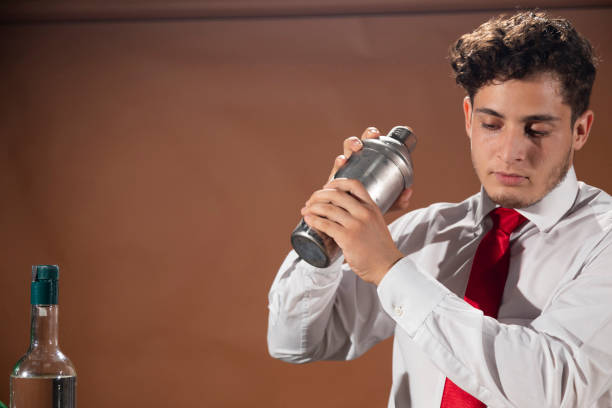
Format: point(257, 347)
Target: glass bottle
point(44, 377)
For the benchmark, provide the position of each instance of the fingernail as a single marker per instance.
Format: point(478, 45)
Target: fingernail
point(356, 142)
point(372, 130)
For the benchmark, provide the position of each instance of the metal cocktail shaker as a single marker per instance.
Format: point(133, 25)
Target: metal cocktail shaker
point(384, 167)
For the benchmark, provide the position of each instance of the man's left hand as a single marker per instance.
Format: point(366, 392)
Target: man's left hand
point(344, 210)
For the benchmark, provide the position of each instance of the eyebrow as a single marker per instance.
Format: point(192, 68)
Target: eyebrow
point(491, 112)
point(530, 118)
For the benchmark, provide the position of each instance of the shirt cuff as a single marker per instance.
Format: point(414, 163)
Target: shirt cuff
point(409, 295)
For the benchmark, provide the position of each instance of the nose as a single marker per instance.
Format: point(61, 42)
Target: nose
point(512, 145)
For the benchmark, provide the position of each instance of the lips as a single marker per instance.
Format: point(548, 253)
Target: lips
point(510, 179)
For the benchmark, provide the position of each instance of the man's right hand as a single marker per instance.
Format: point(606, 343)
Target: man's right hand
point(354, 144)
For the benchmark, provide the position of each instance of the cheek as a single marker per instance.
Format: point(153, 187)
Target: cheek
point(479, 159)
point(542, 155)
point(481, 150)
point(534, 159)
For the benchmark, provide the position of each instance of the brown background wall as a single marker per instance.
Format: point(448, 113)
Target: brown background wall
point(162, 164)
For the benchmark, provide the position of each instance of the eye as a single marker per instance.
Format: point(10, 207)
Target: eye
point(531, 132)
point(490, 126)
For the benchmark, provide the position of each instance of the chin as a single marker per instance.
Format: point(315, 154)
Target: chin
point(512, 202)
point(509, 200)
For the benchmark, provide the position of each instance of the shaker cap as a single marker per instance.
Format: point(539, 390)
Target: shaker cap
point(404, 135)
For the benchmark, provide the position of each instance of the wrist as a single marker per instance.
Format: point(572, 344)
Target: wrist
point(381, 274)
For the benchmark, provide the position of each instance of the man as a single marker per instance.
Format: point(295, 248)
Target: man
point(545, 339)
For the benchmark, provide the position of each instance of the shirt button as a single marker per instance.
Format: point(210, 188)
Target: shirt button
point(399, 311)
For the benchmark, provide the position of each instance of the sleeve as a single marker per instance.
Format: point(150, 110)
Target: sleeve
point(562, 359)
point(323, 314)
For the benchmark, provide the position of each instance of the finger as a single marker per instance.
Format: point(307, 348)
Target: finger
point(326, 226)
point(339, 162)
point(354, 187)
point(403, 201)
point(329, 211)
point(338, 198)
point(350, 145)
point(370, 133)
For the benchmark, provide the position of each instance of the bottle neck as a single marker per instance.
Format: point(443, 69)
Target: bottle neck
point(44, 329)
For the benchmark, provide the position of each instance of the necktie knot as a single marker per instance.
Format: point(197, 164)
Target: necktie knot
point(506, 219)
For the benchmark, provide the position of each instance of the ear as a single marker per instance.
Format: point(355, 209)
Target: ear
point(467, 111)
point(582, 129)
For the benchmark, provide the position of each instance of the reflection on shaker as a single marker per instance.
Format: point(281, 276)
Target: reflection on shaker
point(384, 167)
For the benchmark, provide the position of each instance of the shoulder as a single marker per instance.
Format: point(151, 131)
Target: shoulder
point(589, 221)
point(435, 218)
point(436, 212)
point(592, 202)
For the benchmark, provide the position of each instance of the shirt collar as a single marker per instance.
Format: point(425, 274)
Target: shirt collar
point(546, 212)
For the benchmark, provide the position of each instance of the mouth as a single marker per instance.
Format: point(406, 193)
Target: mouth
point(510, 179)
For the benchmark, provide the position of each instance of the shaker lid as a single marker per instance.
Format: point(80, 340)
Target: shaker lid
point(404, 135)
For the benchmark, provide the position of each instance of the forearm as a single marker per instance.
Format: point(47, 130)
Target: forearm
point(509, 365)
point(318, 314)
point(300, 302)
point(502, 365)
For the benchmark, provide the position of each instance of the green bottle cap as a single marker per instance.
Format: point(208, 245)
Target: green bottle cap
point(44, 288)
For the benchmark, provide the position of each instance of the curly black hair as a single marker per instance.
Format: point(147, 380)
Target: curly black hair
point(524, 44)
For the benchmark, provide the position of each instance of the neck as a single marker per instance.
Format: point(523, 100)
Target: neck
point(44, 326)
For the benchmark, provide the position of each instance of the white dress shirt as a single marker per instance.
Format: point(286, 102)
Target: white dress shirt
point(551, 345)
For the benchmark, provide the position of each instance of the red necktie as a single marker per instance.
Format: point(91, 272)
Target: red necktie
point(486, 286)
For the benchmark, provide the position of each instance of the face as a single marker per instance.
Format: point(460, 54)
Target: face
point(522, 139)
